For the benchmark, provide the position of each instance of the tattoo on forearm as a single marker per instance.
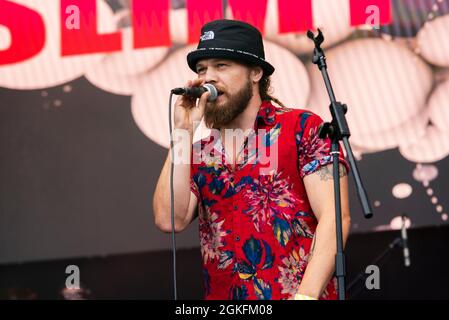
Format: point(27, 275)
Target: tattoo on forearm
point(326, 173)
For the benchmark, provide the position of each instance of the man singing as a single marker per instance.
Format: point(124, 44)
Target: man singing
point(266, 201)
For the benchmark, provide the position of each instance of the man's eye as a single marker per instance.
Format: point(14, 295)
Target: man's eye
point(221, 65)
point(200, 70)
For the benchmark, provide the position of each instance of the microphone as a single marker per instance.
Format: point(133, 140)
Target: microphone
point(196, 92)
point(405, 250)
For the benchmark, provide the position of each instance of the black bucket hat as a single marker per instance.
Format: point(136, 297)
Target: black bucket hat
point(230, 39)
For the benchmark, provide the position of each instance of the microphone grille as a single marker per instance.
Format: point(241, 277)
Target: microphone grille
point(213, 92)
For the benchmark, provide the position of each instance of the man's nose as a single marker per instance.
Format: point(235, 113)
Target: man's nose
point(210, 76)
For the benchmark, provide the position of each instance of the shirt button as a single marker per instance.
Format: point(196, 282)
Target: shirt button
point(235, 207)
point(237, 238)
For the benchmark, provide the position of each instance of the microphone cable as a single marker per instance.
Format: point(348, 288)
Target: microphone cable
point(172, 202)
point(214, 94)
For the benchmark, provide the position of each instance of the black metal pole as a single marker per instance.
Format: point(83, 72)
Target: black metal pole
point(340, 271)
point(361, 192)
point(338, 130)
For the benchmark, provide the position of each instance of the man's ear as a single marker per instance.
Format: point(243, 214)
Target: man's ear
point(256, 74)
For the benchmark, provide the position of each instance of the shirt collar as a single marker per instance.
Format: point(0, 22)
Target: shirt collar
point(267, 113)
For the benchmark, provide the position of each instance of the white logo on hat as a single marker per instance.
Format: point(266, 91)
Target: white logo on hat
point(208, 35)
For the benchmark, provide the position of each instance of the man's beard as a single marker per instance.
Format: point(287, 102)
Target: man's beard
point(216, 116)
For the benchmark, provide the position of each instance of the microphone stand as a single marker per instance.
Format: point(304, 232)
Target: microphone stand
point(337, 131)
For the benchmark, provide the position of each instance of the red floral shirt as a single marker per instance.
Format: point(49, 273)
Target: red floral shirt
point(256, 225)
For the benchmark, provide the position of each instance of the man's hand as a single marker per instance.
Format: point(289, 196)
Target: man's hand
point(187, 114)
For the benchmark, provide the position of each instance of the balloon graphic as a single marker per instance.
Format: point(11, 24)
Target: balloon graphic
point(438, 107)
point(385, 86)
point(432, 147)
point(432, 41)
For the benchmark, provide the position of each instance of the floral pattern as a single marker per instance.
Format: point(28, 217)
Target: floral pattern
point(211, 235)
point(248, 267)
point(256, 228)
point(267, 197)
point(314, 152)
point(292, 270)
